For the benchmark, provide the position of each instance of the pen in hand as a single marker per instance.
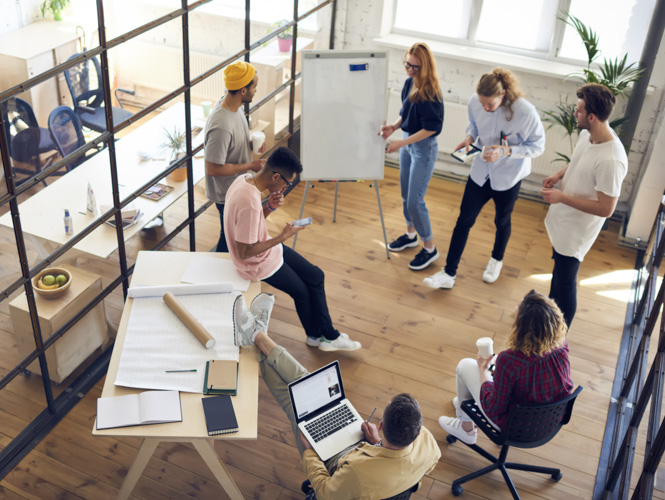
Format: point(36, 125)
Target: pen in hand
point(370, 417)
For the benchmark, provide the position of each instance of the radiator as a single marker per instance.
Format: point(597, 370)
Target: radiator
point(143, 64)
point(454, 130)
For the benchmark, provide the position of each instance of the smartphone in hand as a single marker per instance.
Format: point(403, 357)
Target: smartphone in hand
point(302, 222)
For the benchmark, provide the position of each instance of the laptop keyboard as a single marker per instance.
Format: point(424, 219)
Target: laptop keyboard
point(330, 423)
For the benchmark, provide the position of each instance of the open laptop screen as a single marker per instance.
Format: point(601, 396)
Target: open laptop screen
point(316, 390)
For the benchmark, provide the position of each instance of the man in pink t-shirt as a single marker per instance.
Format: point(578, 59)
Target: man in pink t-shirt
point(259, 257)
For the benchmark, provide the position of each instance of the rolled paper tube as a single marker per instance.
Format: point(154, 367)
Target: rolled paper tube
point(190, 321)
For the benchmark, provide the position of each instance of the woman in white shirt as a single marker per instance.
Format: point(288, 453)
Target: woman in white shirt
point(509, 130)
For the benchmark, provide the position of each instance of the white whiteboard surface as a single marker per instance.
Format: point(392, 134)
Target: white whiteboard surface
point(342, 112)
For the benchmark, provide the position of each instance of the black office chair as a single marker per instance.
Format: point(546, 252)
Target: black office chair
point(65, 129)
point(26, 139)
point(306, 488)
point(529, 426)
point(85, 84)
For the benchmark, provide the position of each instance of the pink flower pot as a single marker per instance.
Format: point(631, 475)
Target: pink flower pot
point(284, 44)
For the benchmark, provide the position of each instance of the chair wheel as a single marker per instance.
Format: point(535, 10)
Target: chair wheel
point(457, 490)
point(451, 439)
point(557, 477)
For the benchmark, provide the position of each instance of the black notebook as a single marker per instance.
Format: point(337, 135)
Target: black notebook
point(220, 417)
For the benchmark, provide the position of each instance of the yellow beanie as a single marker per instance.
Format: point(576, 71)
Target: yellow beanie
point(238, 74)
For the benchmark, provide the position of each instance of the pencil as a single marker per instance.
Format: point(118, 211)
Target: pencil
point(370, 417)
point(180, 371)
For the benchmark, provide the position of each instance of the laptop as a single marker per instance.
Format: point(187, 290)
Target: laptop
point(323, 414)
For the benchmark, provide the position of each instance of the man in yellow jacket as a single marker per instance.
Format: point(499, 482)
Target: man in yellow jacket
point(375, 468)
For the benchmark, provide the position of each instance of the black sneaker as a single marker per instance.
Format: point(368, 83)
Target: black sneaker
point(403, 242)
point(423, 259)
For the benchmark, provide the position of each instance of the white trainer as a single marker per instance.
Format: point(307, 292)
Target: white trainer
point(341, 343)
point(492, 270)
point(453, 426)
point(440, 280)
point(261, 309)
point(245, 327)
point(316, 341)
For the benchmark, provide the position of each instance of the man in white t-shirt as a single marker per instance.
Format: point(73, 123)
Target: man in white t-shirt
point(590, 188)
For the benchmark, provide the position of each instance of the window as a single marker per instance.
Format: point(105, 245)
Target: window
point(529, 27)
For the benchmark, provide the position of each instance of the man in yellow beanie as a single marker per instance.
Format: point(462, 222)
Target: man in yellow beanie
point(228, 151)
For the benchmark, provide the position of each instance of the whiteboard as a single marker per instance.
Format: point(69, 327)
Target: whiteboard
point(344, 96)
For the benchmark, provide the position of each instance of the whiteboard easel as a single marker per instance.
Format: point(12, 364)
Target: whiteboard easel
point(344, 96)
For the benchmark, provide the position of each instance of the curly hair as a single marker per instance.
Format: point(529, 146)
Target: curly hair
point(493, 84)
point(539, 326)
point(426, 82)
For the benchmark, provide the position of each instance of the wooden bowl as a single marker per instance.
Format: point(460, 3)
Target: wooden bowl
point(55, 292)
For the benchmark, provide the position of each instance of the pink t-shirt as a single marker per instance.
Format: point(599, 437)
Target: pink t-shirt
point(244, 222)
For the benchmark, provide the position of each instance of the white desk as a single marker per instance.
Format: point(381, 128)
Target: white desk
point(42, 214)
point(163, 268)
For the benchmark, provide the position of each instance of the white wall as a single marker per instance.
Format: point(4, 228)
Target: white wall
point(360, 21)
point(18, 13)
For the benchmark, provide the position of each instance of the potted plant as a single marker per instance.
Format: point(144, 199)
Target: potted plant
point(615, 74)
point(285, 38)
point(55, 6)
point(175, 144)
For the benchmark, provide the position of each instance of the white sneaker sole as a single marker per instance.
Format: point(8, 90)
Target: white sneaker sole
point(403, 247)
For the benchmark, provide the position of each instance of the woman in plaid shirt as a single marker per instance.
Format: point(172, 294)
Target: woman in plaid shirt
point(534, 369)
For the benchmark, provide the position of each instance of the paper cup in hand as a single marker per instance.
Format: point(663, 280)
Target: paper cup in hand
point(485, 347)
point(258, 138)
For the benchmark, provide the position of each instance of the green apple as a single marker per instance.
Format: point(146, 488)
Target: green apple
point(61, 279)
point(48, 280)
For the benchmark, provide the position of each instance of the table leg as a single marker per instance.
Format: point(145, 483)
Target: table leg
point(207, 450)
point(145, 454)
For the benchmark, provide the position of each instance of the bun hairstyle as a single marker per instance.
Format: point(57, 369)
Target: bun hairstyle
point(493, 84)
point(426, 81)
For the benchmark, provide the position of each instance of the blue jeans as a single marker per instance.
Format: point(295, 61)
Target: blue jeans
point(416, 164)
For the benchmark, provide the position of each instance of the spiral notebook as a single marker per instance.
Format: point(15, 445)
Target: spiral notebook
point(219, 414)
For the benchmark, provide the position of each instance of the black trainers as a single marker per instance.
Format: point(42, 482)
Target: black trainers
point(423, 259)
point(403, 242)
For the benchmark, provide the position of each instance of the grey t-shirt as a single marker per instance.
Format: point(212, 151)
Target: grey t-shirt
point(226, 141)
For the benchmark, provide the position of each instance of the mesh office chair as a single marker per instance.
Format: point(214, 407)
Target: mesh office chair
point(26, 139)
point(65, 129)
point(85, 84)
point(306, 488)
point(528, 426)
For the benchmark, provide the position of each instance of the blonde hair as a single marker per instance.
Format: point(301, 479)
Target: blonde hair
point(493, 84)
point(426, 81)
point(539, 326)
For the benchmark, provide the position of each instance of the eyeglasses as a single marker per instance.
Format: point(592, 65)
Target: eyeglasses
point(288, 184)
point(411, 66)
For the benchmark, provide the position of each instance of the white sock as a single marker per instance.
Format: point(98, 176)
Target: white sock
point(411, 235)
point(431, 250)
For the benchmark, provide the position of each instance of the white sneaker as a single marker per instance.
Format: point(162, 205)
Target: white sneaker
point(341, 343)
point(261, 309)
point(316, 341)
point(245, 327)
point(492, 270)
point(453, 426)
point(440, 280)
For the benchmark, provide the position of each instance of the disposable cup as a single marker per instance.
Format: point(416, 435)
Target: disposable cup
point(485, 347)
point(206, 105)
point(258, 138)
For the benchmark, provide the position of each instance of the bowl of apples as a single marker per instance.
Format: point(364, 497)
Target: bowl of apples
point(52, 282)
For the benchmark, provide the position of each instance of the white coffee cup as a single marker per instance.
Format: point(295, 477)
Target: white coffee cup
point(206, 105)
point(485, 347)
point(258, 138)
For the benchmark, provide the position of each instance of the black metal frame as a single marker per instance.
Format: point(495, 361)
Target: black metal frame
point(57, 408)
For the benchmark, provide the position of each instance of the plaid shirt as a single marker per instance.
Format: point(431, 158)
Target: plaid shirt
point(523, 379)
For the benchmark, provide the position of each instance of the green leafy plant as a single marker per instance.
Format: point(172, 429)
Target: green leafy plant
point(615, 74)
point(55, 7)
point(175, 141)
point(287, 34)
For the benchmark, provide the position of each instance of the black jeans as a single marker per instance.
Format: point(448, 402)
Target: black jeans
point(474, 199)
point(563, 288)
point(221, 244)
point(304, 282)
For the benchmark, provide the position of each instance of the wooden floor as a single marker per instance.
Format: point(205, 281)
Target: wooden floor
point(412, 339)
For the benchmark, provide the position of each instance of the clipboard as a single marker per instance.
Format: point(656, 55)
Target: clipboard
point(463, 156)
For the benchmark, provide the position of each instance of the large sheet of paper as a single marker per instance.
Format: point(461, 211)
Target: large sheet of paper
point(202, 269)
point(156, 341)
